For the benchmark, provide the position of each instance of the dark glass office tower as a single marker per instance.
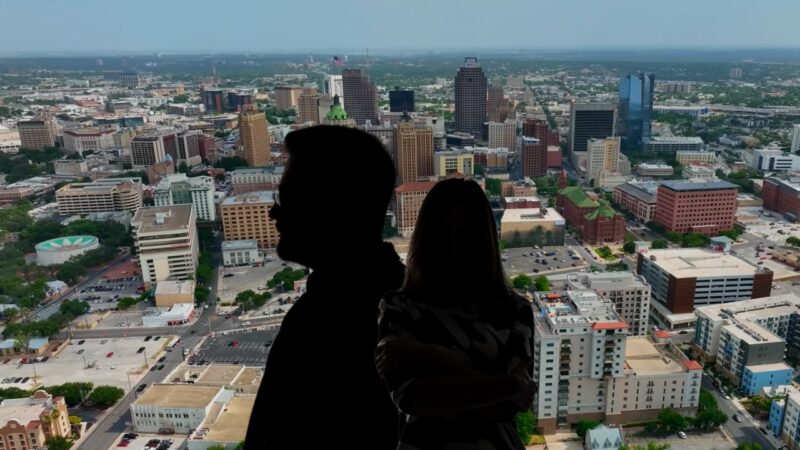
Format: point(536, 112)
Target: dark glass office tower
point(401, 100)
point(470, 87)
point(635, 109)
point(590, 121)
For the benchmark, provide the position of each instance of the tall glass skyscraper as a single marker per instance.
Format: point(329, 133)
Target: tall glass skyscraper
point(635, 109)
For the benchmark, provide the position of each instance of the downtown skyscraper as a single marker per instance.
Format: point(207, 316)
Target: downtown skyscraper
point(636, 109)
point(361, 95)
point(470, 92)
point(254, 136)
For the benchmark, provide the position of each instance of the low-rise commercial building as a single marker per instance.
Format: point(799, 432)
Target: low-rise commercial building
point(174, 315)
point(526, 202)
point(171, 292)
point(89, 139)
point(698, 172)
point(525, 227)
point(249, 179)
point(176, 408)
point(238, 378)
point(107, 194)
point(654, 170)
point(451, 162)
point(673, 144)
point(165, 238)
point(775, 160)
point(682, 279)
point(685, 157)
point(227, 428)
point(240, 252)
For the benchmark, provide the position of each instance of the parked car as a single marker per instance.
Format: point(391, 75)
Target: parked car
point(141, 387)
point(682, 435)
point(109, 354)
point(737, 418)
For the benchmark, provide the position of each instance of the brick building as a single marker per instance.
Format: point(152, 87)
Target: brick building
point(597, 222)
point(782, 194)
point(27, 423)
point(707, 208)
point(638, 198)
point(408, 201)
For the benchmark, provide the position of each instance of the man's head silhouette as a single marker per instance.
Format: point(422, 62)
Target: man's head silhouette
point(324, 211)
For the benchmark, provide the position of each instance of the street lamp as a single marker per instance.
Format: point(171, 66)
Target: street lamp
point(144, 354)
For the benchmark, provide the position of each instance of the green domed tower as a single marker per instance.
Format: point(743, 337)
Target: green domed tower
point(337, 115)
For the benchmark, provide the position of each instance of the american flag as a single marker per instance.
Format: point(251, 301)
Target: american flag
point(337, 61)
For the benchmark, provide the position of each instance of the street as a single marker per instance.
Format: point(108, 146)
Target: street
point(744, 431)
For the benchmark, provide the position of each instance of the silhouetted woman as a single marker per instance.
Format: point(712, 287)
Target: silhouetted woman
point(455, 348)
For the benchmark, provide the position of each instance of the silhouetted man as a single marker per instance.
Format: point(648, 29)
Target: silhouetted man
point(320, 386)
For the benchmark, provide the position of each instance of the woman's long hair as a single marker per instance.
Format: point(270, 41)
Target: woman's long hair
point(454, 250)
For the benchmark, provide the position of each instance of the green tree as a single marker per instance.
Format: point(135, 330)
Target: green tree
point(105, 396)
point(74, 393)
point(748, 446)
point(710, 418)
point(695, 240)
point(75, 420)
point(629, 247)
point(216, 447)
point(230, 163)
point(542, 283)
point(70, 272)
point(494, 186)
point(74, 308)
point(58, 443)
point(183, 168)
point(585, 425)
point(13, 392)
point(522, 281)
point(793, 241)
point(126, 302)
point(201, 294)
point(659, 243)
point(673, 236)
point(526, 425)
point(671, 421)
point(650, 446)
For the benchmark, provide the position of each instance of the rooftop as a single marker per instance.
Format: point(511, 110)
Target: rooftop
point(241, 244)
point(178, 396)
point(219, 373)
point(159, 219)
point(769, 367)
point(644, 190)
point(700, 263)
point(654, 166)
point(577, 196)
point(66, 243)
point(677, 185)
point(751, 332)
point(231, 423)
point(754, 309)
point(175, 287)
point(604, 281)
point(604, 437)
point(531, 215)
point(603, 211)
point(559, 309)
point(645, 358)
point(415, 186)
point(250, 198)
point(675, 140)
point(24, 410)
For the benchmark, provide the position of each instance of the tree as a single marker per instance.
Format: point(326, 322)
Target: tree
point(70, 272)
point(216, 447)
point(201, 294)
point(58, 443)
point(659, 243)
point(671, 421)
point(629, 247)
point(494, 186)
point(126, 302)
point(526, 425)
point(650, 446)
point(748, 446)
point(585, 425)
point(542, 283)
point(793, 241)
point(673, 236)
point(74, 308)
point(710, 418)
point(13, 392)
point(183, 168)
point(522, 281)
point(75, 420)
point(105, 396)
point(695, 240)
point(74, 393)
point(230, 163)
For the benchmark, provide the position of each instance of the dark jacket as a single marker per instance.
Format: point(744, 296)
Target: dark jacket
point(320, 383)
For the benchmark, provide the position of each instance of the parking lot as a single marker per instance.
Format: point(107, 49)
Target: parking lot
point(772, 227)
point(113, 360)
point(277, 305)
point(164, 443)
point(240, 347)
point(694, 441)
point(238, 279)
point(542, 260)
point(103, 294)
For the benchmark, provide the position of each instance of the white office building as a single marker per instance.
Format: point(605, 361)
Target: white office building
point(176, 408)
point(165, 238)
point(240, 252)
point(773, 159)
point(178, 189)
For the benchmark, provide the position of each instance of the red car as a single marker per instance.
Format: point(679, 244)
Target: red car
point(123, 444)
point(109, 354)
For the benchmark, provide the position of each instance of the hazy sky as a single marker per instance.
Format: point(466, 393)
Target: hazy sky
point(286, 25)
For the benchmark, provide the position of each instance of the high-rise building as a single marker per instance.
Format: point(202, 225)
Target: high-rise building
point(106, 194)
point(214, 100)
point(148, 149)
point(308, 106)
point(590, 121)
point(636, 109)
point(188, 148)
point(408, 201)
point(503, 135)
point(337, 115)
point(361, 95)
point(178, 189)
point(414, 152)
point(586, 366)
point(795, 138)
point(706, 208)
point(286, 96)
point(401, 100)
point(540, 129)
point(333, 87)
point(83, 139)
point(254, 136)
point(38, 133)
point(165, 238)
point(385, 134)
point(30, 421)
point(130, 79)
point(246, 216)
point(601, 155)
point(629, 293)
point(470, 93)
point(239, 100)
point(534, 157)
point(735, 72)
point(496, 104)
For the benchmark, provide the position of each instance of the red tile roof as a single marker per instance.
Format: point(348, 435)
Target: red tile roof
point(608, 325)
point(663, 334)
point(415, 186)
point(692, 365)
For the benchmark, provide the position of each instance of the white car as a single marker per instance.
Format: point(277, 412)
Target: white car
point(113, 366)
point(682, 435)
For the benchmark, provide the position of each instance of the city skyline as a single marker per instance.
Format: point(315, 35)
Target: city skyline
point(711, 24)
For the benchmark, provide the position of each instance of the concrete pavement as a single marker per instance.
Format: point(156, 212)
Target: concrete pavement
point(744, 431)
